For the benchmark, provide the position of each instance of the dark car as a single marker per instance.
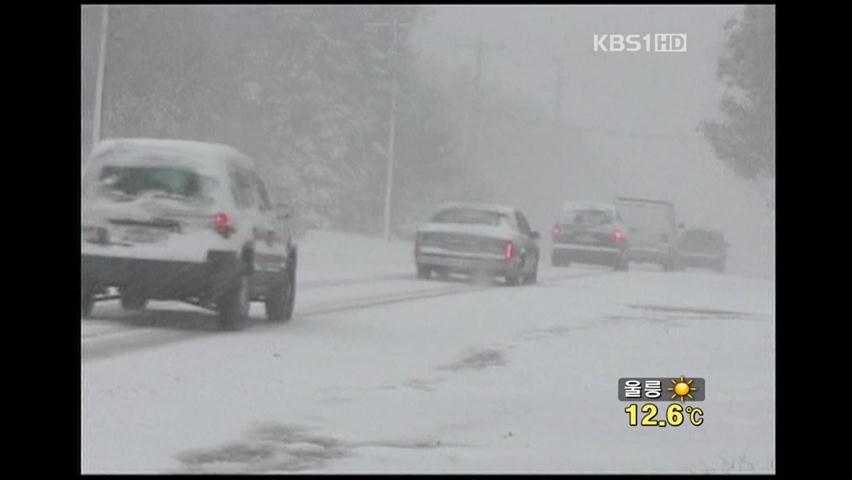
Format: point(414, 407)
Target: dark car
point(590, 232)
point(703, 248)
point(478, 239)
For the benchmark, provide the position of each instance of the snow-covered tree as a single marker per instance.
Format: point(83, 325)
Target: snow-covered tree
point(745, 138)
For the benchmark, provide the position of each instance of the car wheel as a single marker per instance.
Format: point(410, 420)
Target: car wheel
point(233, 306)
point(87, 301)
point(622, 264)
point(513, 279)
point(279, 304)
point(423, 272)
point(532, 278)
point(132, 301)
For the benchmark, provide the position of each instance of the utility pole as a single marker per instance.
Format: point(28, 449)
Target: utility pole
point(391, 135)
point(559, 111)
point(395, 24)
point(480, 48)
point(99, 85)
point(559, 129)
point(558, 106)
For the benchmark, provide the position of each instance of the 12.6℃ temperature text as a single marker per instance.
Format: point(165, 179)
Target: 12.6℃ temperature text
point(676, 414)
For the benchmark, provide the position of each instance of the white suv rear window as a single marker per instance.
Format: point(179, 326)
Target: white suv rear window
point(126, 178)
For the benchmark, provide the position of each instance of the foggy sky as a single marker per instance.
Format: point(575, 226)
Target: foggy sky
point(629, 118)
point(635, 114)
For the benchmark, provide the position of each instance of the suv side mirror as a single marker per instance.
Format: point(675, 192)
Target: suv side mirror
point(535, 235)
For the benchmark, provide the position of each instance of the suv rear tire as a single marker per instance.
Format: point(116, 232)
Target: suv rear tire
point(233, 306)
point(279, 305)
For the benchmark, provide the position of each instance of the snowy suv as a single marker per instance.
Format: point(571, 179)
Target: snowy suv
point(182, 220)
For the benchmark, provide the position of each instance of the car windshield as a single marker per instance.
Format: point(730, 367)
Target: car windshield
point(586, 217)
point(470, 216)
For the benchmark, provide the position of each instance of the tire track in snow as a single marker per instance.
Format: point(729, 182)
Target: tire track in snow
point(188, 325)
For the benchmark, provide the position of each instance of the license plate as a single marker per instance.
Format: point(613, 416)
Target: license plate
point(585, 238)
point(143, 234)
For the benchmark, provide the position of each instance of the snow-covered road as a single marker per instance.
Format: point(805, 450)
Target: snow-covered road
point(380, 372)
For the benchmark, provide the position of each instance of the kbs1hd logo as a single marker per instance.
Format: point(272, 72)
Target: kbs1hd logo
point(651, 43)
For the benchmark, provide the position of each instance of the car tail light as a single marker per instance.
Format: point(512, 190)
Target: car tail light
point(618, 236)
point(508, 251)
point(556, 230)
point(222, 225)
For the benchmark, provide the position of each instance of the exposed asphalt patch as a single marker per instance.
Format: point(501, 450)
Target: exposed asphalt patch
point(274, 447)
point(668, 322)
point(429, 385)
point(267, 448)
point(558, 330)
point(478, 360)
point(406, 444)
point(664, 316)
point(698, 312)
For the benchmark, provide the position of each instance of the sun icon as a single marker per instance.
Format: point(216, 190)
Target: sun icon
point(681, 388)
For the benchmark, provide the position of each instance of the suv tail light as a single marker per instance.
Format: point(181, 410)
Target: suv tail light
point(508, 251)
point(618, 236)
point(222, 225)
point(556, 230)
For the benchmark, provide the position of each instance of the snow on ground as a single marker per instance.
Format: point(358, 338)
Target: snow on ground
point(328, 257)
point(480, 379)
